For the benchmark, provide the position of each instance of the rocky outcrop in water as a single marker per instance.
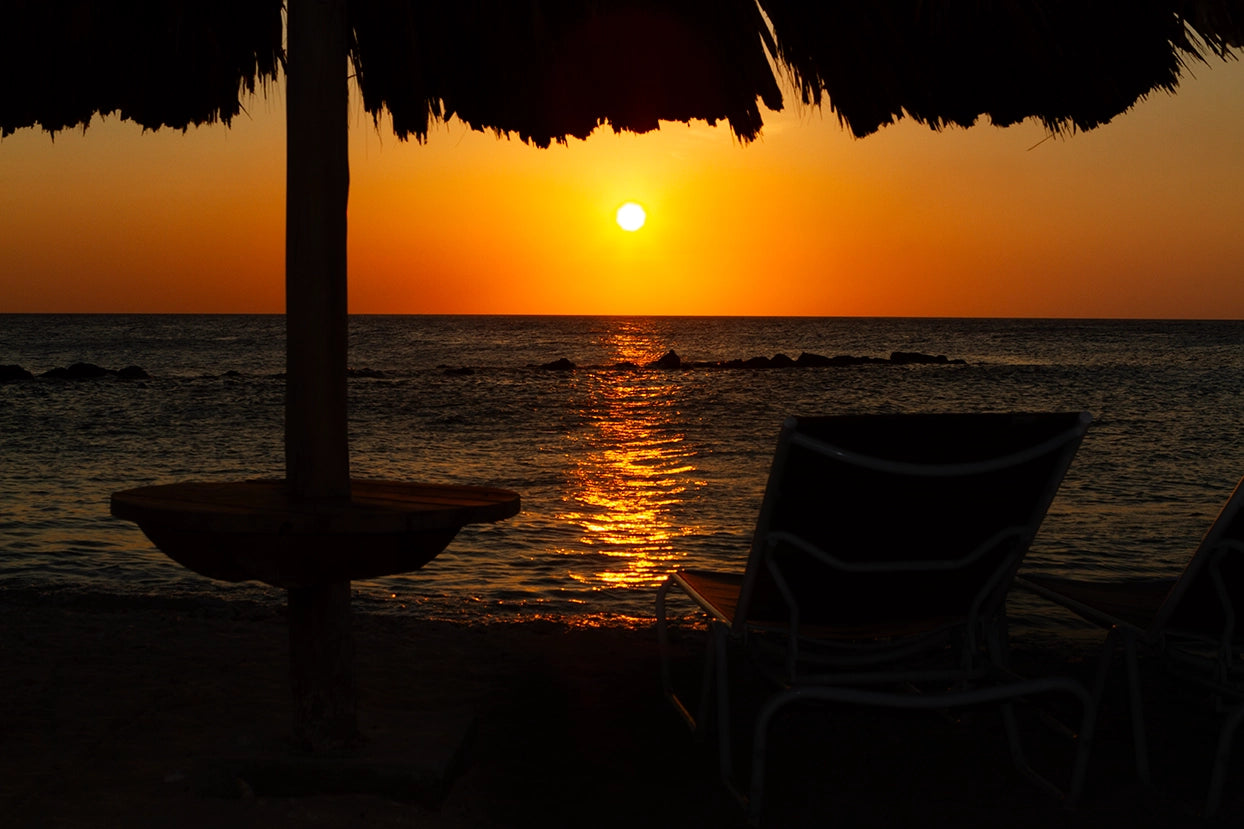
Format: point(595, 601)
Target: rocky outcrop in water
point(78, 371)
point(907, 358)
point(671, 360)
point(809, 360)
point(667, 362)
point(11, 374)
point(778, 360)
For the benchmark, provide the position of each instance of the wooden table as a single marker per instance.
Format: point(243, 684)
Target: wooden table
point(242, 530)
point(235, 531)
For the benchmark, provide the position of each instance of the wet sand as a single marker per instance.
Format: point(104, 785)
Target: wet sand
point(110, 708)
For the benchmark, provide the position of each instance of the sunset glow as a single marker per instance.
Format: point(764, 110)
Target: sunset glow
point(1137, 219)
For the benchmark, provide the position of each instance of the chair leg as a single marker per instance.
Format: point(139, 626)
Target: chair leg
point(1139, 739)
point(1140, 750)
point(701, 719)
point(760, 749)
point(1104, 658)
point(1016, 745)
point(663, 641)
point(1221, 756)
point(667, 680)
point(720, 634)
point(1083, 740)
point(1084, 745)
point(708, 716)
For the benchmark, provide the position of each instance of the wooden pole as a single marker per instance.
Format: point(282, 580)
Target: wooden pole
point(316, 437)
point(317, 186)
point(321, 658)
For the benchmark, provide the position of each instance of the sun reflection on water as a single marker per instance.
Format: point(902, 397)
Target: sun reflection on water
point(632, 469)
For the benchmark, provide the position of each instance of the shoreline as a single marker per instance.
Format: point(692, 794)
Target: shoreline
point(108, 703)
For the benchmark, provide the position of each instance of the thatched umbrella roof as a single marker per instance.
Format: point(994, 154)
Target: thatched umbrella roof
point(154, 62)
point(551, 70)
point(543, 71)
point(1072, 64)
point(546, 70)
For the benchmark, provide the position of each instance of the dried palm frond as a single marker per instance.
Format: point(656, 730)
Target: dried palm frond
point(547, 70)
point(160, 63)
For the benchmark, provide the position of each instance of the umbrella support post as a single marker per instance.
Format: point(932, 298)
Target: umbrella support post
point(407, 755)
point(317, 182)
point(321, 651)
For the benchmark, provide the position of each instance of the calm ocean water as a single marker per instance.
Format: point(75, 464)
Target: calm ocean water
point(624, 474)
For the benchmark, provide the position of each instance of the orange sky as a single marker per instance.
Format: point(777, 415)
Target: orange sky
point(1141, 218)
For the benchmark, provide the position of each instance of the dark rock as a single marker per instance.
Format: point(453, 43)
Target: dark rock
point(781, 361)
point(670, 360)
point(757, 362)
point(133, 373)
point(559, 365)
point(838, 360)
point(626, 364)
point(850, 360)
point(807, 359)
point(903, 358)
point(10, 374)
point(86, 371)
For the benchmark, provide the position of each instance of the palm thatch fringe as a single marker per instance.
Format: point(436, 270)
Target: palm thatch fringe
point(160, 63)
point(550, 69)
point(1072, 64)
point(547, 70)
point(1218, 23)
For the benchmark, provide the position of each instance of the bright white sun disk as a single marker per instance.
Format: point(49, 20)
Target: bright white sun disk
point(631, 216)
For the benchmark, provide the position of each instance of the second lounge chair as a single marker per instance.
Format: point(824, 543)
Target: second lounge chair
point(1191, 623)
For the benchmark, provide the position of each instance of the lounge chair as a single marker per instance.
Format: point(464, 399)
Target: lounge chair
point(1189, 622)
point(881, 558)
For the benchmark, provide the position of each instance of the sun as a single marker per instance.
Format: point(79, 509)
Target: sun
point(631, 216)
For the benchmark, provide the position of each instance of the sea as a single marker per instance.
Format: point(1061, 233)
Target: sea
point(626, 472)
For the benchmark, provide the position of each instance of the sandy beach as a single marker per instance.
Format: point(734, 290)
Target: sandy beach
point(110, 707)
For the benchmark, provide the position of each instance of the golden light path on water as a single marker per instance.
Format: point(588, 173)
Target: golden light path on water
point(631, 469)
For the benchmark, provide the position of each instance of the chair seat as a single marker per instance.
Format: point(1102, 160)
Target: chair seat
point(1134, 602)
point(718, 594)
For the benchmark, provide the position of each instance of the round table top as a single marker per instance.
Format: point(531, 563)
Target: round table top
point(240, 530)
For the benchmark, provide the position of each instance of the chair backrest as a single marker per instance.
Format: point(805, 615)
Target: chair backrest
point(1210, 591)
point(899, 518)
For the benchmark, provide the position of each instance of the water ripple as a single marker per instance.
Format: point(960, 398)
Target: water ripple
point(625, 475)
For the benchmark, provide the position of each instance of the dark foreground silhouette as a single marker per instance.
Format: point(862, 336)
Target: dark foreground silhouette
point(108, 703)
